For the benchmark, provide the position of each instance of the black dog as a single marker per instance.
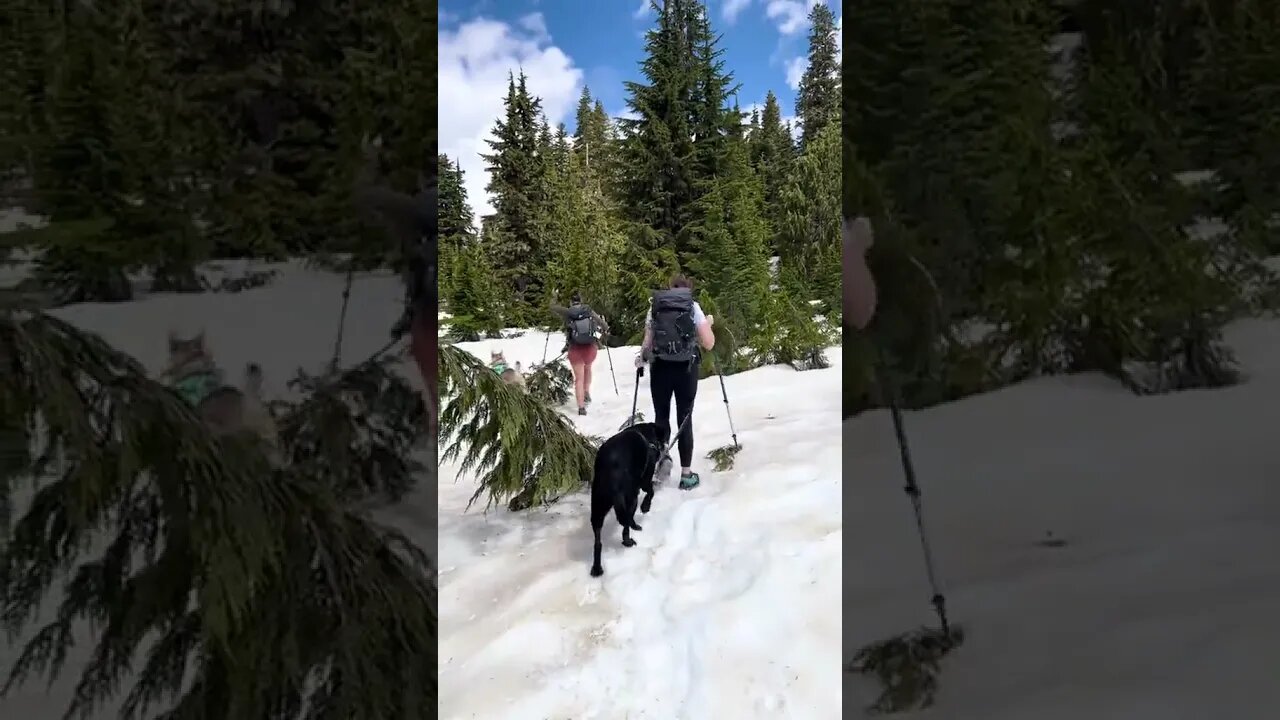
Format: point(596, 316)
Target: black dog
point(625, 465)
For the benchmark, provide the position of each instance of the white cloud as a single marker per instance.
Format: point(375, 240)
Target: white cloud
point(795, 70)
point(475, 60)
point(535, 25)
point(734, 8)
point(642, 10)
point(791, 16)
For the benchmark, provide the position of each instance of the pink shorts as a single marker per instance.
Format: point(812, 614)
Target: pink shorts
point(582, 354)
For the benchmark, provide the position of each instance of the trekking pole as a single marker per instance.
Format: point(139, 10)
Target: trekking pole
point(545, 343)
point(611, 373)
point(725, 395)
point(913, 491)
point(635, 397)
point(342, 316)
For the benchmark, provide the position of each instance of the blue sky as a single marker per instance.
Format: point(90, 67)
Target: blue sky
point(563, 44)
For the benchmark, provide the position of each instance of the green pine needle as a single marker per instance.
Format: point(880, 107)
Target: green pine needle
point(242, 590)
point(907, 667)
point(724, 456)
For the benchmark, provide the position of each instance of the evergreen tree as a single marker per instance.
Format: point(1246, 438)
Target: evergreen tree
point(818, 100)
point(711, 120)
point(753, 133)
point(478, 301)
point(593, 139)
point(808, 231)
point(659, 185)
point(1234, 81)
point(517, 182)
point(1168, 313)
point(560, 148)
point(587, 240)
point(774, 153)
point(732, 261)
point(457, 224)
point(604, 161)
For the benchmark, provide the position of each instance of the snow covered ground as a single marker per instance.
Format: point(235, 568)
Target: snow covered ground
point(1163, 602)
point(1160, 605)
point(728, 606)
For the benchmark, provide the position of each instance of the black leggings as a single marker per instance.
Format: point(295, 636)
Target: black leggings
point(681, 380)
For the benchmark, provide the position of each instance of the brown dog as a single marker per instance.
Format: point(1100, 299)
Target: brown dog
point(510, 375)
point(224, 408)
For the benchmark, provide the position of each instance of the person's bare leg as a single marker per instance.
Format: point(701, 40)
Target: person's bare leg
point(579, 390)
point(425, 346)
point(586, 380)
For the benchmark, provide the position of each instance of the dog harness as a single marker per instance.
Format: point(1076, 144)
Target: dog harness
point(197, 386)
point(499, 368)
point(653, 452)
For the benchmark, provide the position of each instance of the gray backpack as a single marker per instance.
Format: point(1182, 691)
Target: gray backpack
point(672, 324)
point(582, 326)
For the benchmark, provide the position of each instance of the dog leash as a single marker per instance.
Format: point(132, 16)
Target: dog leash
point(676, 436)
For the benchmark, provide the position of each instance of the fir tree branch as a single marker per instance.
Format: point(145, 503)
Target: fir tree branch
point(257, 584)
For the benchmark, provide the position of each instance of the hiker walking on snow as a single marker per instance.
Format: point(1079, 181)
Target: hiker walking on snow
point(673, 331)
point(581, 325)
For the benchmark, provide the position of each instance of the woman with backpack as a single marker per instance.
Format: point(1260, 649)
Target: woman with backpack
point(581, 325)
point(673, 331)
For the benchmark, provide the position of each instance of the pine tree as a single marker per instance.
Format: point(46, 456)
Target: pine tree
point(659, 185)
point(809, 221)
point(774, 153)
point(1233, 91)
point(477, 300)
point(457, 224)
point(753, 134)
point(732, 263)
point(517, 183)
point(560, 148)
point(594, 140)
point(711, 120)
point(818, 100)
point(1167, 293)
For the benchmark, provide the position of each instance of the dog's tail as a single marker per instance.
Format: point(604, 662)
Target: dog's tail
point(625, 519)
point(253, 380)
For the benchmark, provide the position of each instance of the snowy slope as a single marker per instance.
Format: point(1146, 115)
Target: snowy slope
point(727, 606)
point(1163, 603)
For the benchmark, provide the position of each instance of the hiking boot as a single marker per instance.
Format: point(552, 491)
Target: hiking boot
point(582, 411)
point(588, 400)
point(690, 481)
